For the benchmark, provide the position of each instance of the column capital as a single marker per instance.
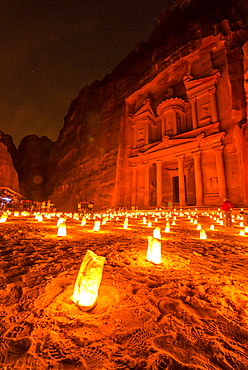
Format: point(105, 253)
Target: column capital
point(198, 153)
point(146, 164)
point(180, 157)
point(219, 149)
point(159, 162)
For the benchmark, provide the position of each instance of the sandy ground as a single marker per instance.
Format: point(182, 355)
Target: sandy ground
point(190, 312)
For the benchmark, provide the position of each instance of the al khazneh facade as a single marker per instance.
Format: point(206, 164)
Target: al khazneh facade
point(186, 145)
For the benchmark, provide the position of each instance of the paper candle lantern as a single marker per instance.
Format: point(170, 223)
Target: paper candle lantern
point(97, 225)
point(203, 234)
point(198, 227)
point(157, 233)
point(211, 227)
point(83, 222)
point(62, 229)
point(3, 218)
point(154, 250)
point(167, 227)
point(89, 278)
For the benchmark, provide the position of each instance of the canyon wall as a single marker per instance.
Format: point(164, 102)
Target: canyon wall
point(94, 156)
point(8, 174)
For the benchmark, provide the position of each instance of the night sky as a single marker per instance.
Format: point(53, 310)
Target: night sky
point(51, 49)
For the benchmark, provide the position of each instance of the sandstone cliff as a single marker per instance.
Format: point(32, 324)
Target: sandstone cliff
point(33, 155)
point(90, 157)
point(8, 174)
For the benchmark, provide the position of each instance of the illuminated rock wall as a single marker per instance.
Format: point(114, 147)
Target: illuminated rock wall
point(8, 174)
point(168, 122)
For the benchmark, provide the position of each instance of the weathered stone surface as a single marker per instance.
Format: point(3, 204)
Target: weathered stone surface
point(33, 154)
point(8, 174)
point(196, 46)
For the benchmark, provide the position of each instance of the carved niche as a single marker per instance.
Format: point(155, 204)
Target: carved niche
point(144, 125)
point(202, 95)
point(173, 118)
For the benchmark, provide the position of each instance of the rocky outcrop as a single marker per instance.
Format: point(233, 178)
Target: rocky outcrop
point(33, 154)
point(8, 174)
point(90, 160)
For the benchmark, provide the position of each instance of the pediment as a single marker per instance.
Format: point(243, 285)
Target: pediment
point(145, 111)
point(168, 142)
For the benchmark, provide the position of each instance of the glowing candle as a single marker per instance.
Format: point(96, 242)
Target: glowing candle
point(154, 250)
point(39, 218)
point(167, 227)
point(87, 284)
point(157, 233)
point(83, 222)
point(211, 227)
point(97, 225)
point(203, 234)
point(149, 224)
point(3, 218)
point(198, 227)
point(62, 229)
point(125, 224)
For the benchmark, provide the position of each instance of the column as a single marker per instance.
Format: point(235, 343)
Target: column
point(146, 133)
point(174, 122)
point(220, 173)
point(146, 185)
point(159, 183)
point(134, 186)
point(214, 110)
point(182, 200)
point(198, 178)
point(194, 113)
point(163, 126)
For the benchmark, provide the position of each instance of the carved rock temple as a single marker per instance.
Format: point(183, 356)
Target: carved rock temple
point(185, 147)
point(169, 123)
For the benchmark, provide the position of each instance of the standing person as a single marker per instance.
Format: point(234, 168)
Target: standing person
point(227, 207)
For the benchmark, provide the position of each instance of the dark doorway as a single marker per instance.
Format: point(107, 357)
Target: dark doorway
point(175, 189)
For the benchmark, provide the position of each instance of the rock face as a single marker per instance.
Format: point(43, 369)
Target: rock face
point(33, 153)
point(169, 122)
point(8, 174)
